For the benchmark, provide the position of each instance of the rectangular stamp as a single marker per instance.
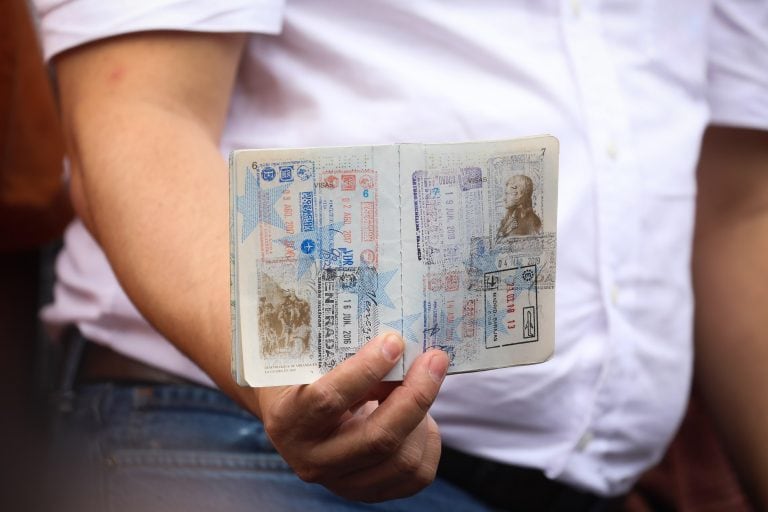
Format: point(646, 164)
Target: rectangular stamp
point(441, 325)
point(347, 216)
point(307, 211)
point(519, 252)
point(452, 315)
point(469, 312)
point(538, 251)
point(347, 313)
point(368, 216)
point(442, 204)
point(511, 307)
point(285, 202)
point(471, 178)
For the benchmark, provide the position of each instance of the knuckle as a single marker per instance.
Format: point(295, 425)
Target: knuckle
point(276, 425)
point(422, 400)
point(408, 461)
point(279, 419)
point(382, 441)
point(327, 400)
point(370, 374)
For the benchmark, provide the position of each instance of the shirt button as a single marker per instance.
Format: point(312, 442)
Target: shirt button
point(584, 441)
point(612, 151)
point(575, 8)
point(614, 295)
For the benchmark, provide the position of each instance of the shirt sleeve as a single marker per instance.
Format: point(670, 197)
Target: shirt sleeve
point(65, 24)
point(738, 64)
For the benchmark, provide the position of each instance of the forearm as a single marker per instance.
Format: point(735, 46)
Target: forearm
point(731, 282)
point(156, 190)
point(151, 184)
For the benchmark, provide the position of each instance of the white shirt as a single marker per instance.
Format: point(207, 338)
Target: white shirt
point(627, 87)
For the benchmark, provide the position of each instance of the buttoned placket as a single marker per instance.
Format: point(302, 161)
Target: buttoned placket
point(608, 136)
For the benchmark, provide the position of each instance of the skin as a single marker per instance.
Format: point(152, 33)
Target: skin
point(143, 116)
point(730, 271)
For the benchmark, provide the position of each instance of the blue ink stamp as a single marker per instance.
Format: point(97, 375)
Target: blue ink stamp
point(268, 174)
point(308, 246)
point(303, 173)
point(347, 256)
point(307, 204)
point(286, 173)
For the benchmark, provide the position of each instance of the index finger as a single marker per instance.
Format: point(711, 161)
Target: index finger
point(386, 428)
point(327, 399)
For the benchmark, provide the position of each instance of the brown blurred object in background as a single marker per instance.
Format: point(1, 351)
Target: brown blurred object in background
point(34, 209)
point(33, 200)
point(695, 474)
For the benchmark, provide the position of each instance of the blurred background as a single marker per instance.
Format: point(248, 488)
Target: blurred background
point(33, 212)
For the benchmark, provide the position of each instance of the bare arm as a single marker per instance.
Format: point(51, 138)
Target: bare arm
point(143, 115)
point(731, 283)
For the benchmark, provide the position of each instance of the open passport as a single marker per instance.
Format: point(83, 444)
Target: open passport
point(452, 245)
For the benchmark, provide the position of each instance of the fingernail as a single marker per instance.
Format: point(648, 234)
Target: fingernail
point(438, 366)
point(393, 347)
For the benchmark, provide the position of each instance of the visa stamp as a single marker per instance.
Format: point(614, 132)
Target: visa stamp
point(285, 205)
point(443, 201)
point(347, 217)
point(511, 307)
point(538, 251)
point(347, 313)
point(452, 315)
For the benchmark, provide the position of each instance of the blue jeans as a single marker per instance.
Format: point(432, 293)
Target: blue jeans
point(121, 448)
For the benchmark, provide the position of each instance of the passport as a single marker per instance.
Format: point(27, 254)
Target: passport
point(451, 245)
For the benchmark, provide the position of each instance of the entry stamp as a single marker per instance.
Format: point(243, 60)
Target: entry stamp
point(286, 198)
point(347, 313)
point(511, 307)
point(347, 233)
point(443, 202)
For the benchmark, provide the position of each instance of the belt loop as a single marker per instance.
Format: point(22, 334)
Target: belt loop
point(74, 345)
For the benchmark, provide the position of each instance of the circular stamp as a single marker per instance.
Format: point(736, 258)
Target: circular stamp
point(268, 173)
point(331, 182)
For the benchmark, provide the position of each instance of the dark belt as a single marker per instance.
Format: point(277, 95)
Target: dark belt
point(90, 362)
point(517, 488)
point(100, 363)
